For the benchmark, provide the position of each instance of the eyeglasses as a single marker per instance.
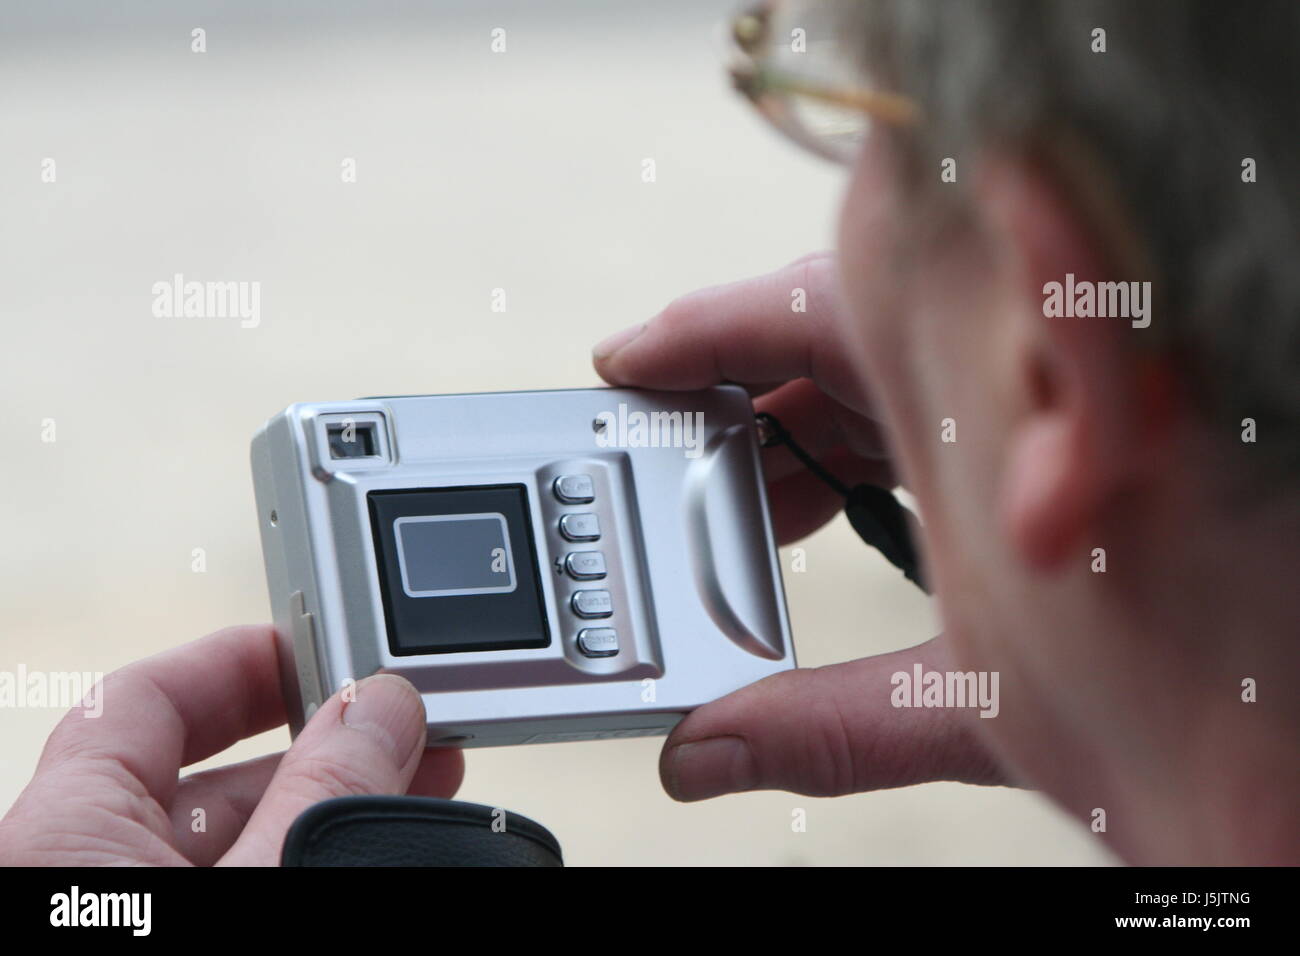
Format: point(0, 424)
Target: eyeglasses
point(791, 65)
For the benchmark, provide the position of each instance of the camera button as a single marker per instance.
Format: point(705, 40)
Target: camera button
point(592, 604)
point(574, 489)
point(598, 641)
point(585, 565)
point(580, 527)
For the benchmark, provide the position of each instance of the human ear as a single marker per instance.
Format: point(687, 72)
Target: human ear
point(1075, 426)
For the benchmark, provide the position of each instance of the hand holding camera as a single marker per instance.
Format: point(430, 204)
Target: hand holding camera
point(830, 730)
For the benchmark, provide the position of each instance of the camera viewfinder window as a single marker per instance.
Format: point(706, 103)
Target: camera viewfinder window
point(352, 440)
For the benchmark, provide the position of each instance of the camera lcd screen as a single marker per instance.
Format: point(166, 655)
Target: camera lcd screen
point(443, 555)
point(458, 569)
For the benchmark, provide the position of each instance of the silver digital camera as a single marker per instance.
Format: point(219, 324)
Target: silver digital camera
point(542, 566)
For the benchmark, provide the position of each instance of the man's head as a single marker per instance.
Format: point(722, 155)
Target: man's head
point(1078, 470)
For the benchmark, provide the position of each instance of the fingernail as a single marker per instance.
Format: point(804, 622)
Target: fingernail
point(710, 768)
point(388, 709)
point(607, 347)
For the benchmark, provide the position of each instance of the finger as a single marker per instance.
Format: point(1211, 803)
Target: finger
point(824, 732)
point(211, 808)
point(171, 710)
point(369, 745)
point(439, 774)
point(743, 332)
point(227, 797)
point(754, 390)
point(818, 423)
point(758, 389)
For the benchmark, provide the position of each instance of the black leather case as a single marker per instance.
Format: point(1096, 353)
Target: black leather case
point(415, 831)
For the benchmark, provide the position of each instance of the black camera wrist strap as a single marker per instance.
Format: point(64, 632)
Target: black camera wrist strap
point(874, 512)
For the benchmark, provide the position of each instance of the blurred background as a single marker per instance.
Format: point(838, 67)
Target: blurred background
point(475, 171)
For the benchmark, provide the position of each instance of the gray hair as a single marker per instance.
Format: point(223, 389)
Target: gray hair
point(1185, 91)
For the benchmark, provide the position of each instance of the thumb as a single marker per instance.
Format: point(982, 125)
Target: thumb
point(370, 744)
point(824, 732)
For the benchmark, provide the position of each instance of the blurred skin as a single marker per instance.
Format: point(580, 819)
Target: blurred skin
point(1119, 691)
